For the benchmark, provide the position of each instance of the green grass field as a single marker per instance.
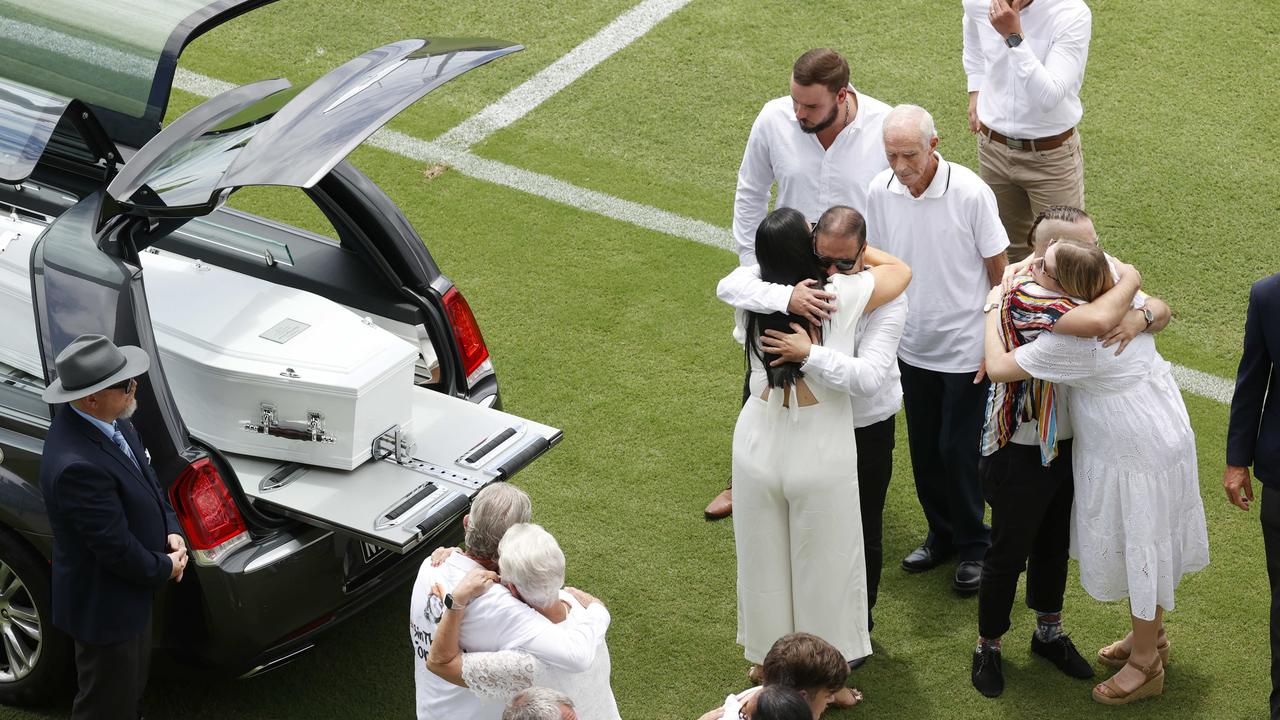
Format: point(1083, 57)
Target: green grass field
point(612, 332)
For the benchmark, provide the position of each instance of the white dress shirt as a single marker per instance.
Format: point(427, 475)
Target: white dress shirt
point(810, 179)
point(494, 621)
point(1033, 90)
point(870, 376)
point(944, 236)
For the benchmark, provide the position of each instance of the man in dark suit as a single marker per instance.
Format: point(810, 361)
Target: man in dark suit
point(1253, 438)
point(115, 536)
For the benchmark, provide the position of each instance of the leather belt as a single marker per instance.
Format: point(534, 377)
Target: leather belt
point(1044, 143)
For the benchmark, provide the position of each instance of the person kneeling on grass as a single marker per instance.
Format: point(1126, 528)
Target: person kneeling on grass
point(532, 567)
point(805, 663)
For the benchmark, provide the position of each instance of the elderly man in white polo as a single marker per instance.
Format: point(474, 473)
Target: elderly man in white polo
point(940, 219)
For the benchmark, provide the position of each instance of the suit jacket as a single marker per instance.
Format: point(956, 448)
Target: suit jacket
point(1253, 437)
point(110, 524)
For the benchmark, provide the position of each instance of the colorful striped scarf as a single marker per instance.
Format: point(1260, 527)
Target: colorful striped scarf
point(1028, 310)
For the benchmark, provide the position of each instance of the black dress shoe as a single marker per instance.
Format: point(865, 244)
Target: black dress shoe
point(968, 577)
point(1062, 652)
point(988, 671)
point(923, 558)
point(856, 663)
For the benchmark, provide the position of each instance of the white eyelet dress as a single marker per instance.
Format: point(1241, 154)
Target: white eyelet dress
point(1138, 521)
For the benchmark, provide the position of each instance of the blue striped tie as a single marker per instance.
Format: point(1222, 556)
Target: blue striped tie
point(118, 439)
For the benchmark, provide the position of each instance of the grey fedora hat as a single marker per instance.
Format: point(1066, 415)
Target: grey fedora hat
point(92, 363)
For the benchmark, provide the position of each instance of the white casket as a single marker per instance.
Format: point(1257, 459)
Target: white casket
point(18, 344)
point(271, 371)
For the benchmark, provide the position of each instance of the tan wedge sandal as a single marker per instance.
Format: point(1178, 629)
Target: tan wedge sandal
point(1115, 656)
point(1108, 693)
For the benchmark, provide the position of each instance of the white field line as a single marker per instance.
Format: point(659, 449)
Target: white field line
point(517, 103)
point(459, 158)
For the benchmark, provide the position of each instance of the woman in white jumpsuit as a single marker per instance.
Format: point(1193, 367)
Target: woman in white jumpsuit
point(796, 518)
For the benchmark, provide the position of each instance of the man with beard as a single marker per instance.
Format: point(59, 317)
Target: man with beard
point(822, 146)
point(115, 536)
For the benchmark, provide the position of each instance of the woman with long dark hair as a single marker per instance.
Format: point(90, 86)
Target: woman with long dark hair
point(796, 516)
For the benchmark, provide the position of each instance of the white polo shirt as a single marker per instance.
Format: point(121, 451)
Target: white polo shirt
point(810, 179)
point(944, 236)
point(494, 621)
point(1033, 90)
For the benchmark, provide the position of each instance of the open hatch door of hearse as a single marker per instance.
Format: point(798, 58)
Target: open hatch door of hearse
point(260, 139)
point(411, 478)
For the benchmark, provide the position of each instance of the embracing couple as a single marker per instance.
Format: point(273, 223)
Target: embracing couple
point(820, 317)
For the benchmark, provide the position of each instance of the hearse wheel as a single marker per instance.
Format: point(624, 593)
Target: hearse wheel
point(35, 657)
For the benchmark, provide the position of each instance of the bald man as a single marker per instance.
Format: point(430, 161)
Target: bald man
point(1026, 468)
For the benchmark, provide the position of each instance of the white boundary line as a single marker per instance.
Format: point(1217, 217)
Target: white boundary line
point(615, 36)
point(452, 149)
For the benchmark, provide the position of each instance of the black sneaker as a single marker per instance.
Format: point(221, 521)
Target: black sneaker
point(988, 671)
point(1062, 652)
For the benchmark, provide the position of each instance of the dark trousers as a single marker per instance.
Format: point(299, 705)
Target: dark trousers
point(1030, 530)
point(944, 429)
point(875, 469)
point(111, 679)
point(1271, 541)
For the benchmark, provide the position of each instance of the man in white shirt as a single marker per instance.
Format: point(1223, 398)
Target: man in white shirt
point(870, 376)
point(821, 146)
point(494, 621)
point(940, 219)
point(1025, 63)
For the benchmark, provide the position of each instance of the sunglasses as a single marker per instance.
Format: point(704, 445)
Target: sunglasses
point(1044, 269)
point(842, 264)
point(125, 386)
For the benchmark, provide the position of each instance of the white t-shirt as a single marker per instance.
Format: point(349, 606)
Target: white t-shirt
point(944, 236)
point(810, 179)
point(1033, 90)
point(494, 621)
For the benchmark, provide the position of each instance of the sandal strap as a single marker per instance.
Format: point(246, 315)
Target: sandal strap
point(1150, 671)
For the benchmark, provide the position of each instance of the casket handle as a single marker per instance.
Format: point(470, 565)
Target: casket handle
point(311, 429)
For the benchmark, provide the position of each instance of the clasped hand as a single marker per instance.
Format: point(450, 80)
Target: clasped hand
point(789, 347)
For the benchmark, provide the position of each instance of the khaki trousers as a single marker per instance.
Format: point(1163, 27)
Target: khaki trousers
point(1028, 181)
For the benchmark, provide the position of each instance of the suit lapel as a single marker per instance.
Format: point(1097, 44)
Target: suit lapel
point(109, 447)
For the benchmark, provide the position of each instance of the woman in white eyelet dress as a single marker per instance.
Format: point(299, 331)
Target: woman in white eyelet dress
point(1138, 521)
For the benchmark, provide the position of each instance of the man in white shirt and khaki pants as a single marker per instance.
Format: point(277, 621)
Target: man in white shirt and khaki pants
point(1025, 64)
point(821, 145)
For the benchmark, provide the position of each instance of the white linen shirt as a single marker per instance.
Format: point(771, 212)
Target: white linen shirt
point(944, 236)
point(494, 621)
point(810, 179)
point(1033, 90)
point(870, 376)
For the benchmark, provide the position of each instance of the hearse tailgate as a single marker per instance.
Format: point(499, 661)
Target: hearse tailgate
point(424, 479)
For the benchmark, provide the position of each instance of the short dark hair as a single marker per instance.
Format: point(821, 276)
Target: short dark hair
point(842, 221)
point(801, 661)
point(1065, 213)
point(779, 703)
point(821, 66)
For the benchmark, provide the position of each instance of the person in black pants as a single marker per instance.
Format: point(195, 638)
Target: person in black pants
point(1026, 470)
point(116, 540)
point(1253, 438)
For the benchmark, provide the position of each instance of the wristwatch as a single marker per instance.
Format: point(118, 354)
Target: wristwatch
point(449, 603)
point(989, 307)
point(1014, 40)
point(1149, 316)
